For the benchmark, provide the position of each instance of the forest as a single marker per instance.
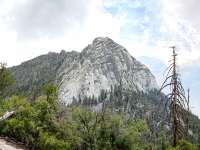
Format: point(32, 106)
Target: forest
point(120, 119)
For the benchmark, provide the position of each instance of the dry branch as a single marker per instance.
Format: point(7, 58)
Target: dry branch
point(6, 115)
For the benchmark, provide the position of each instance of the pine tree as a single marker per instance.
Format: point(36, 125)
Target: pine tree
point(6, 80)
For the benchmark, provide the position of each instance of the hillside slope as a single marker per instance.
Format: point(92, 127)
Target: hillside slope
point(100, 65)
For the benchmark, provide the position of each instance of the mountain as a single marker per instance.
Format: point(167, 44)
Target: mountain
point(103, 76)
point(100, 65)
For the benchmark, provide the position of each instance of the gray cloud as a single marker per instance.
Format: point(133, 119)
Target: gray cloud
point(189, 10)
point(52, 18)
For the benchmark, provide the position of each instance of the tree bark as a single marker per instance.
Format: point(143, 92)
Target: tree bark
point(176, 121)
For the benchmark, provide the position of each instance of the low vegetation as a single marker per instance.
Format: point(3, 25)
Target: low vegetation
point(124, 120)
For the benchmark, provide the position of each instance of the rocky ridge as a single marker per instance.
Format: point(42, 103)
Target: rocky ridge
point(100, 65)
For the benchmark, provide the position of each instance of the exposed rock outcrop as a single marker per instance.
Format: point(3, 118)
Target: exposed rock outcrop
point(100, 65)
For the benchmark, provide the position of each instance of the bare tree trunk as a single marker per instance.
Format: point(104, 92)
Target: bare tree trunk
point(188, 111)
point(175, 101)
point(7, 115)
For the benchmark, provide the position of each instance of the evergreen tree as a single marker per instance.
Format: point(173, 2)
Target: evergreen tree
point(6, 80)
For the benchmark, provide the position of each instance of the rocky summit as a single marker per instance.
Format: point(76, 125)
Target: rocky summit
point(100, 65)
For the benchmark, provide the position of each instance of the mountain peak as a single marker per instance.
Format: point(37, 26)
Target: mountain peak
point(102, 39)
point(100, 65)
point(103, 45)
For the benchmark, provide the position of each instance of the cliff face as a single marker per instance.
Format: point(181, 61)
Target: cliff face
point(100, 65)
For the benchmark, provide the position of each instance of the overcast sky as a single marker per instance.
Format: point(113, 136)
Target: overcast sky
point(146, 28)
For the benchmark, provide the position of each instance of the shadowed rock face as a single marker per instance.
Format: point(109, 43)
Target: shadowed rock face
point(100, 65)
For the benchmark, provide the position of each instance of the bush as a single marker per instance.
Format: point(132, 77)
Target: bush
point(184, 145)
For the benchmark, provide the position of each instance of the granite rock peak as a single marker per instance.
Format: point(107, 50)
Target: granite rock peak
point(100, 65)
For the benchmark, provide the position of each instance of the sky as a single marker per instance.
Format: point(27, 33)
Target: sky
point(145, 28)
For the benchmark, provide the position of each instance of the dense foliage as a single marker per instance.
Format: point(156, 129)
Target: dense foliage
point(42, 126)
point(116, 120)
point(141, 106)
point(184, 145)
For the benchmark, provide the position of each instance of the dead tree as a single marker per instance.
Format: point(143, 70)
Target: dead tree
point(176, 100)
point(188, 113)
